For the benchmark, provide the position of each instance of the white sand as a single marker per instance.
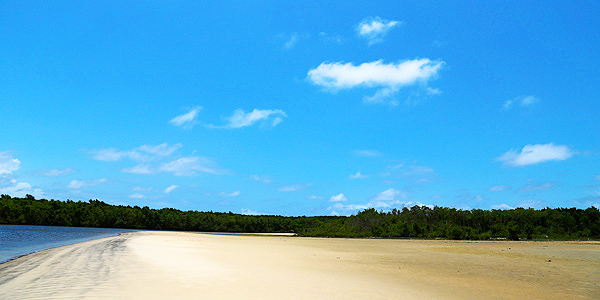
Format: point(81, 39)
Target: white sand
point(177, 265)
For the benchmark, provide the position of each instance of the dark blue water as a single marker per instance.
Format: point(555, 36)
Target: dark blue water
point(17, 240)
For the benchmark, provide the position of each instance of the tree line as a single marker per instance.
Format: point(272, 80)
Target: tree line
point(413, 222)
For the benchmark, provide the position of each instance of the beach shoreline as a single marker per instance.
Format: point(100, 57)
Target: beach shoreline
point(184, 265)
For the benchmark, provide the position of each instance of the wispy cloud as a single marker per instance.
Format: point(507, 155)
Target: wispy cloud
point(388, 78)
point(326, 37)
point(56, 172)
point(187, 120)
point(239, 119)
point(416, 173)
point(142, 153)
point(138, 169)
point(8, 164)
point(137, 196)
point(537, 187)
point(170, 188)
point(261, 179)
point(294, 187)
point(498, 188)
point(338, 198)
point(190, 166)
point(534, 154)
point(232, 194)
point(358, 175)
point(522, 101)
point(367, 153)
point(77, 184)
point(375, 29)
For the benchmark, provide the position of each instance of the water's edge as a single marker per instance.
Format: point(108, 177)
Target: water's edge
point(14, 248)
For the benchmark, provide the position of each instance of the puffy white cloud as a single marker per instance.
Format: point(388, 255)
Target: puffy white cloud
point(187, 120)
point(387, 199)
point(522, 101)
point(534, 154)
point(375, 29)
point(77, 184)
point(56, 172)
point(19, 189)
point(170, 188)
point(8, 164)
point(138, 169)
point(142, 153)
point(189, 166)
point(358, 175)
point(338, 198)
point(241, 119)
point(388, 78)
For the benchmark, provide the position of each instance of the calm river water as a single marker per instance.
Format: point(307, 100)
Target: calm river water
point(17, 240)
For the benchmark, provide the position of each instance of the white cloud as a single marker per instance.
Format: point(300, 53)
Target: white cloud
point(522, 101)
point(533, 154)
point(261, 179)
point(531, 203)
point(375, 29)
point(187, 120)
point(387, 78)
point(56, 172)
point(138, 169)
point(241, 119)
point(189, 166)
point(338, 198)
point(292, 188)
point(384, 200)
point(246, 211)
point(537, 187)
point(8, 164)
point(367, 153)
point(19, 189)
point(358, 175)
point(77, 184)
point(502, 206)
point(142, 153)
point(137, 196)
point(498, 188)
point(289, 44)
point(170, 189)
point(336, 39)
point(232, 194)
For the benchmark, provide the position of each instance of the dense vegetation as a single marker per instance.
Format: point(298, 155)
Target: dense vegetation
point(415, 222)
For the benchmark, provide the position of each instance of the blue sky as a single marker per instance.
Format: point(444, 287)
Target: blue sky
point(301, 109)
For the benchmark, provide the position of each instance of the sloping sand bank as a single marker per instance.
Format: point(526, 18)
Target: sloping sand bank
point(176, 265)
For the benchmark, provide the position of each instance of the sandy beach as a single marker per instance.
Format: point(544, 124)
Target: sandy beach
point(178, 265)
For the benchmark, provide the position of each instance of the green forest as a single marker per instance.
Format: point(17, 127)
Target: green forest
point(414, 222)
